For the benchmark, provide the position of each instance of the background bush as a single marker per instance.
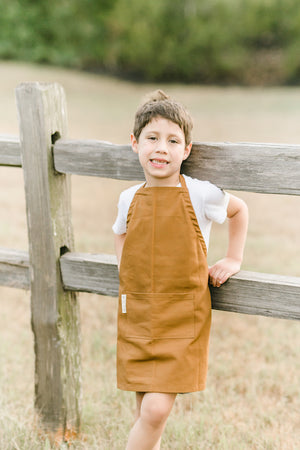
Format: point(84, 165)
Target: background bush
point(203, 41)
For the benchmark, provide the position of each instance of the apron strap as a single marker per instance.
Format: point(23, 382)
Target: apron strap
point(192, 214)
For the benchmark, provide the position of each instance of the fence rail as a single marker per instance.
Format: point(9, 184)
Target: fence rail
point(263, 168)
point(54, 272)
point(10, 151)
point(246, 292)
point(14, 268)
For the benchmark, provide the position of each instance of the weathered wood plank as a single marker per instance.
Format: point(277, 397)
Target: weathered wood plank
point(10, 151)
point(259, 294)
point(265, 168)
point(246, 292)
point(97, 158)
point(90, 273)
point(55, 312)
point(14, 268)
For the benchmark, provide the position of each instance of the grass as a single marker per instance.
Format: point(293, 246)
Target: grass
point(252, 397)
point(251, 401)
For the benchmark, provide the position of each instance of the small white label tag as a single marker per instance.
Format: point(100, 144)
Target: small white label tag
point(123, 298)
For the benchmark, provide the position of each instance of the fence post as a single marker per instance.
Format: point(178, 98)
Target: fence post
point(54, 312)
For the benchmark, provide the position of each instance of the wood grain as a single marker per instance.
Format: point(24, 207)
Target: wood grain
point(14, 268)
point(54, 312)
point(254, 167)
point(264, 168)
point(10, 151)
point(246, 292)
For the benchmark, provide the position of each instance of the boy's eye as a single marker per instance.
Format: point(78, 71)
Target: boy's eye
point(152, 138)
point(173, 141)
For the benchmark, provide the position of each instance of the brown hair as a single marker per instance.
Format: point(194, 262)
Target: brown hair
point(158, 104)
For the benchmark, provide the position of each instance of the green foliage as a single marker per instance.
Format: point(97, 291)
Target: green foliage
point(58, 32)
point(207, 41)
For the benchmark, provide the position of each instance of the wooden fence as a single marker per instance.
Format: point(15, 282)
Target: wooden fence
point(54, 272)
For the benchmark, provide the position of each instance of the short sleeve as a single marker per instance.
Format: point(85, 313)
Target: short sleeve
point(120, 225)
point(215, 203)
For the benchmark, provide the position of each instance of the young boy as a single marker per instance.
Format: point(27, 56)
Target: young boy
point(161, 237)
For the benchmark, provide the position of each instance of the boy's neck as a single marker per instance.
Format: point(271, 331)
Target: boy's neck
point(163, 182)
point(172, 181)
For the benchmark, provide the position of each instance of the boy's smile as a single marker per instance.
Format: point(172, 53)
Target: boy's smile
point(158, 162)
point(161, 148)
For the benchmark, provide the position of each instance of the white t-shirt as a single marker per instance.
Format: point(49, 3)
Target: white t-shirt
point(209, 202)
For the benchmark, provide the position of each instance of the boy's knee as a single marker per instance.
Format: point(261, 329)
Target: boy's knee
point(154, 415)
point(155, 411)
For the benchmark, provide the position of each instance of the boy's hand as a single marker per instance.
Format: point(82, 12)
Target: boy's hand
point(222, 270)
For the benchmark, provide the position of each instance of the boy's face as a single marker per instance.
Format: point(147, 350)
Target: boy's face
point(161, 148)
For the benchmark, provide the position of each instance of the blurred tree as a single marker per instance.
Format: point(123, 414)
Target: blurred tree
point(207, 41)
point(174, 40)
point(67, 32)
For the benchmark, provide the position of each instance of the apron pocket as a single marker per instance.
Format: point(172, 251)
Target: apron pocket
point(138, 312)
point(160, 316)
point(173, 316)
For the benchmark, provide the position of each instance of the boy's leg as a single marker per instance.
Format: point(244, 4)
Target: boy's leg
point(139, 399)
point(153, 414)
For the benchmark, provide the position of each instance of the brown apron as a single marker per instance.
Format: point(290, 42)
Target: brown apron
point(164, 302)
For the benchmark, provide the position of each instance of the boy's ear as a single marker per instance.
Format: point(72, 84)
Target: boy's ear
point(134, 143)
point(187, 151)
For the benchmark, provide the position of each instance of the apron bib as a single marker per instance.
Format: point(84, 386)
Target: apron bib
point(164, 310)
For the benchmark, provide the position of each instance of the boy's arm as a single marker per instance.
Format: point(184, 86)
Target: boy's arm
point(237, 213)
point(119, 244)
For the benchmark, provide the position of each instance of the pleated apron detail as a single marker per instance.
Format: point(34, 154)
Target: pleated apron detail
point(164, 312)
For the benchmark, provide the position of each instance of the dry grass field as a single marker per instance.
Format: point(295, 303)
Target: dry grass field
point(252, 400)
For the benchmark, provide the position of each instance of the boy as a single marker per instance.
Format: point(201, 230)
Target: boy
point(161, 237)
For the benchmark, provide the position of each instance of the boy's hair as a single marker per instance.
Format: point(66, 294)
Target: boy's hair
point(158, 104)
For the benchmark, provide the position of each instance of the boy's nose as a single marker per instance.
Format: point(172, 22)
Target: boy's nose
point(161, 150)
point(161, 147)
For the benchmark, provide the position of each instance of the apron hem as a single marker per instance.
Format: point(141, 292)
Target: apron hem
point(158, 389)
